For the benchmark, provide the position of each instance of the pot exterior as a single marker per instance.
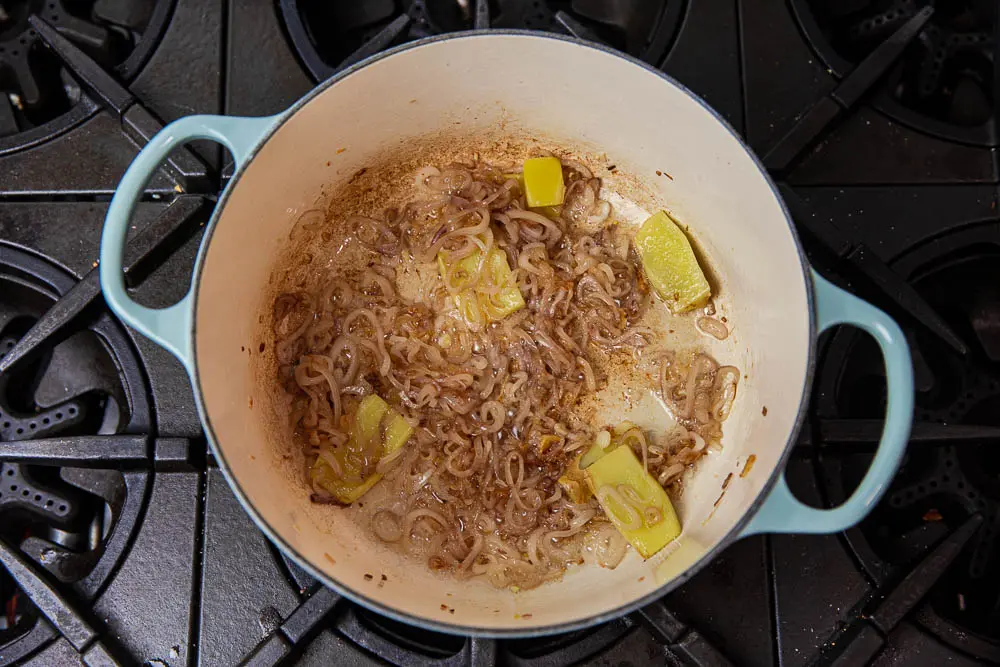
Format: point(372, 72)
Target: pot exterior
point(565, 93)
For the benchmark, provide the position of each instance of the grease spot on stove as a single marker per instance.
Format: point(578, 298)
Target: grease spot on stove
point(269, 619)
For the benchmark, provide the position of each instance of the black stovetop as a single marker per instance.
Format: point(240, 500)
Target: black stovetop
point(119, 538)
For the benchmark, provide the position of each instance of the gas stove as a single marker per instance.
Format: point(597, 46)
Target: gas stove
point(119, 539)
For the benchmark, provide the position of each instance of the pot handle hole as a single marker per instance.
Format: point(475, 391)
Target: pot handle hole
point(170, 327)
point(782, 512)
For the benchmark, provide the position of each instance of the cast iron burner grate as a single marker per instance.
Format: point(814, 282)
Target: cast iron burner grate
point(951, 472)
point(654, 632)
point(326, 34)
point(68, 515)
point(947, 81)
point(39, 98)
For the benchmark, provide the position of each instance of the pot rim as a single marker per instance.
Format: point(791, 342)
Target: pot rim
point(734, 533)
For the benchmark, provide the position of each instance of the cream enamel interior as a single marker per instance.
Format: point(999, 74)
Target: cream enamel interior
point(561, 89)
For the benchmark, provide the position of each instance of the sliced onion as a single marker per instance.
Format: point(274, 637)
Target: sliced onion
point(609, 497)
point(668, 474)
point(385, 525)
point(607, 545)
point(726, 381)
point(712, 327)
point(652, 515)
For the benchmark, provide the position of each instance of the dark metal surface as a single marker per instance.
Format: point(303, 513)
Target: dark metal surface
point(678, 638)
point(783, 76)
point(814, 122)
point(306, 617)
point(382, 40)
point(325, 35)
point(79, 450)
point(180, 76)
point(947, 481)
point(888, 283)
point(863, 640)
point(185, 169)
point(120, 34)
point(158, 625)
point(242, 584)
point(56, 609)
point(144, 253)
point(943, 85)
point(575, 27)
point(481, 19)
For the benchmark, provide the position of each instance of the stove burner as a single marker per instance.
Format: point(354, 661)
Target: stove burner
point(945, 83)
point(71, 522)
point(949, 474)
point(402, 644)
point(118, 34)
point(326, 35)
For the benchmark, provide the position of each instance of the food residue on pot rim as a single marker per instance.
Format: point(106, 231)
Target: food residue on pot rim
point(748, 466)
point(725, 485)
point(626, 398)
point(715, 505)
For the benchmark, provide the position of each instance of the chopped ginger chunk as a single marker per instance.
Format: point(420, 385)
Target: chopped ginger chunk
point(543, 182)
point(670, 264)
point(574, 483)
point(634, 502)
point(377, 431)
point(484, 290)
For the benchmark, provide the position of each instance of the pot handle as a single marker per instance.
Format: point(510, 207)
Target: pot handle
point(171, 327)
point(782, 512)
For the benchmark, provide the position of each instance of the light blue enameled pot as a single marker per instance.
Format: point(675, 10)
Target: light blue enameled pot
point(544, 85)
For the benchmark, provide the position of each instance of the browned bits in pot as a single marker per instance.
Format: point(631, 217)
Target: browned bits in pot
point(748, 466)
point(500, 395)
point(763, 411)
point(369, 577)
